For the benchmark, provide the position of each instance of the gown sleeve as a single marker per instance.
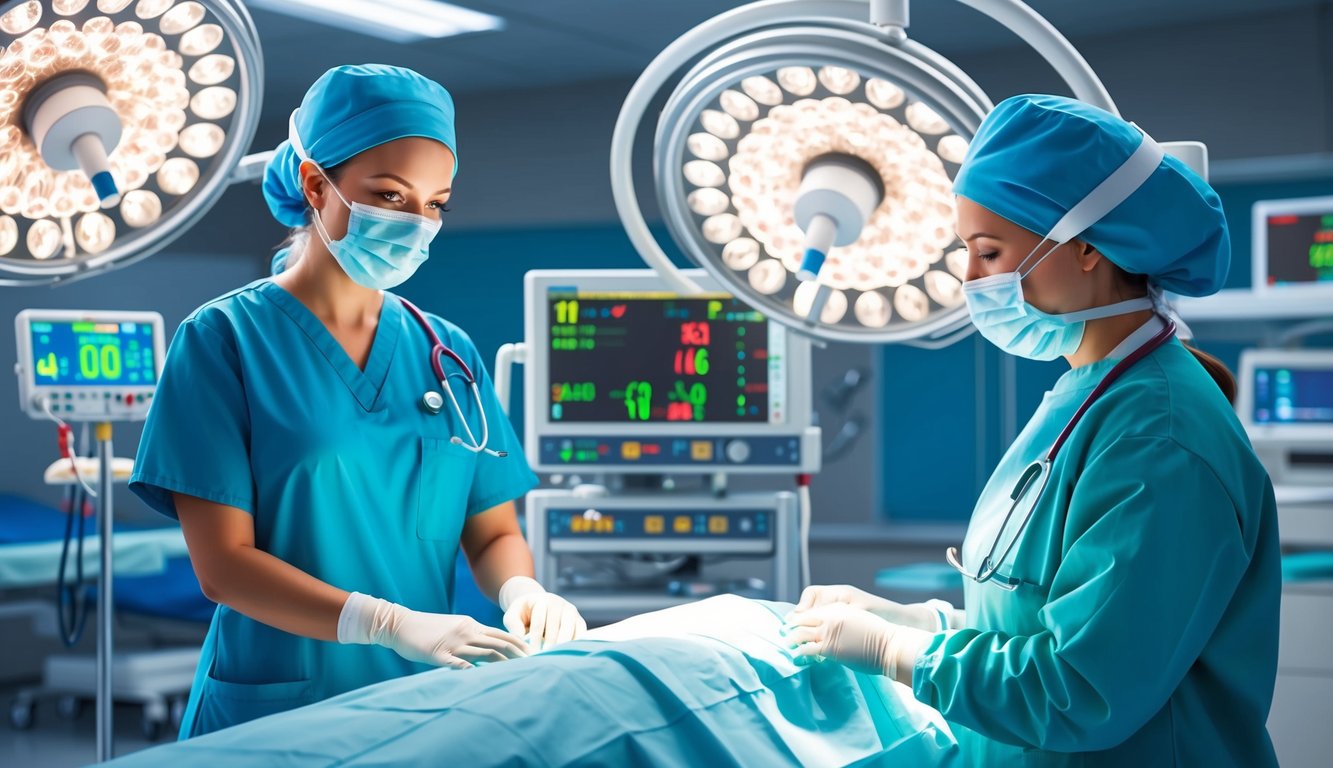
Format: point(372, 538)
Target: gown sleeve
point(197, 436)
point(1156, 550)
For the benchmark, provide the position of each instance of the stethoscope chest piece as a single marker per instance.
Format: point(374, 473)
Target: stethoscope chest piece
point(432, 401)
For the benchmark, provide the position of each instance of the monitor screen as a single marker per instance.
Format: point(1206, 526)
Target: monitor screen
point(86, 353)
point(643, 358)
point(1300, 248)
point(1285, 395)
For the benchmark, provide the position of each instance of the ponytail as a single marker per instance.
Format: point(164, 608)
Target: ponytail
point(1218, 370)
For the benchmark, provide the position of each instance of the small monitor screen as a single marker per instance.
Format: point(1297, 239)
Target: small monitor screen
point(1300, 248)
point(1293, 396)
point(92, 354)
point(638, 358)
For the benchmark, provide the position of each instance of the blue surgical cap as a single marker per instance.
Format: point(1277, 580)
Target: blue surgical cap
point(348, 110)
point(1037, 156)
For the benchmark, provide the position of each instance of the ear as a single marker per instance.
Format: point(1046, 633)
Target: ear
point(313, 185)
point(1088, 256)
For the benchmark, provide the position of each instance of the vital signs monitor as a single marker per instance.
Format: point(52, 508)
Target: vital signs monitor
point(1285, 401)
point(624, 376)
point(88, 366)
point(1293, 245)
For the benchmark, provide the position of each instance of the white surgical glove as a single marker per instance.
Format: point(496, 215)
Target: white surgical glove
point(441, 639)
point(543, 618)
point(918, 615)
point(857, 639)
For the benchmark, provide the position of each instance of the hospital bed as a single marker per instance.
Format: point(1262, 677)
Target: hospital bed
point(31, 536)
point(153, 578)
point(703, 684)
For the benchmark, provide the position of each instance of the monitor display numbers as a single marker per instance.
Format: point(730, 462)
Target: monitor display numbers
point(657, 358)
point(1293, 396)
point(1300, 249)
point(92, 354)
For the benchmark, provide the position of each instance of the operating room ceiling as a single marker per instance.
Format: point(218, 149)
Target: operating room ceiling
point(558, 42)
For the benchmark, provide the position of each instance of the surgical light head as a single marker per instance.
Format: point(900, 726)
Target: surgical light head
point(805, 157)
point(835, 194)
point(120, 124)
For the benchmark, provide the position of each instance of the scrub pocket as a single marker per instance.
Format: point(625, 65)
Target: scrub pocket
point(446, 482)
point(223, 704)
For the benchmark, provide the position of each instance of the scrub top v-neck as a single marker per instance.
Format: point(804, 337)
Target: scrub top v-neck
point(364, 384)
point(347, 476)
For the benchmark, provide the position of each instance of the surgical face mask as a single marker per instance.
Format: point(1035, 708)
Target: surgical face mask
point(381, 249)
point(1000, 313)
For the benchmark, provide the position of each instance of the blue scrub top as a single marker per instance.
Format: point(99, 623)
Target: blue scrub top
point(1144, 629)
point(347, 476)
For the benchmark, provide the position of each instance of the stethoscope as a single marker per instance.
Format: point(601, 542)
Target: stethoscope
point(433, 401)
point(1038, 472)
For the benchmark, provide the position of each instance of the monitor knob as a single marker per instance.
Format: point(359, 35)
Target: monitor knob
point(738, 451)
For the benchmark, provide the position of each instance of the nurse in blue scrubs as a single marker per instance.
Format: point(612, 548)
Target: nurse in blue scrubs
point(323, 504)
point(1121, 569)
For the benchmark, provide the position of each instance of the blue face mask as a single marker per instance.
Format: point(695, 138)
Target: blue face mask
point(999, 312)
point(381, 249)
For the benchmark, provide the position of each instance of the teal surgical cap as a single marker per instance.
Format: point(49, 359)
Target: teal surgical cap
point(1035, 157)
point(348, 110)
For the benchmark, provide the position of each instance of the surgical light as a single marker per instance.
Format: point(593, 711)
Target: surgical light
point(805, 158)
point(121, 123)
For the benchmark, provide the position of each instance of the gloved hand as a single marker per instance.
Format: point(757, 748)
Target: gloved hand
point(917, 615)
point(543, 618)
point(857, 639)
point(445, 640)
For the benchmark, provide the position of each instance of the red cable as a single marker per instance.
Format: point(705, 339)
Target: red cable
point(64, 435)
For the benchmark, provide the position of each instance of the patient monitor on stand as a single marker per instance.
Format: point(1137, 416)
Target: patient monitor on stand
point(642, 404)
point(99, 367)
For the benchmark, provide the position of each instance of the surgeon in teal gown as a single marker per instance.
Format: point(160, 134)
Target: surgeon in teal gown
point(1143, 626)
point(323, 505)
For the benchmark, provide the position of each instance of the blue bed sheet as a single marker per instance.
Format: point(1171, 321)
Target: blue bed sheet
point(171, 591)
point(23, 521)
point(702, 696)
point(172, 594)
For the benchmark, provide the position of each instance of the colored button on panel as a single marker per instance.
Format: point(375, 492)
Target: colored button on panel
point(654, 524)
point(630, 450)
point(682, 524)
point(718, 524)
point(701, 450)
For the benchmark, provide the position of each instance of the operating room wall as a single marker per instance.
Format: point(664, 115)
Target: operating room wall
point(533, 192)
point(1248, 87)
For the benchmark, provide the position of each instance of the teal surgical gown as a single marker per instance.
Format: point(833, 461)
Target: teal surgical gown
point(347, 476)
point(1144, 631)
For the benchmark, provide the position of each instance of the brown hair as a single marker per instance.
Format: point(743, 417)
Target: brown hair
point(1218, 370)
